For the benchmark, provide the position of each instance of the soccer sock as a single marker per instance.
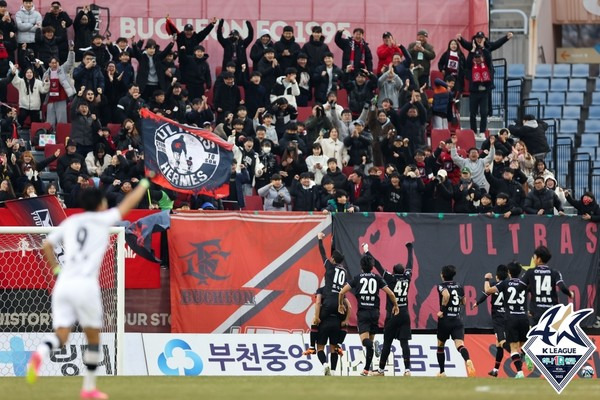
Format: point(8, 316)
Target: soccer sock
point(369, 347)
point(464, 352)
point(441, 357)
point(506, 347)
point(516, 357)
point(322, 356)
point(405, 353)
point(499, 356)
point(385, 352)
point(342, 336)
point(314, 333)
point(334, 360)
point(91, 358)
point(50, 343)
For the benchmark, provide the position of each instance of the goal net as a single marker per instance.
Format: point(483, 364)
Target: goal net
point(26, 283)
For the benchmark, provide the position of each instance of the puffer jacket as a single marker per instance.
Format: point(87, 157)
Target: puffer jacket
point(64, 73)
point(30, 100)
point(26, 24)
point(543, 199)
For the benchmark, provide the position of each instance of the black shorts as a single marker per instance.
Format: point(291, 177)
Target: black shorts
point(368, 321)
point(398, 326)
point(329, 330)
point(499, 325)
point(327, 312)
point(516, 329)
point(450, 328)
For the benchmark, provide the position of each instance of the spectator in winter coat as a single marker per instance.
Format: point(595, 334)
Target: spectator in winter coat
point(258, 48)
point(466, 192)
point(334, 148)
point(438, 194)
point(479, 41)
point(304, 80)
point(30, 94)
point(385, 52)
point(503, 142)
point(284, 114)
point(187, 39)
point(335, 174)
point(97, 161)
point(235, 48)
point(412, 189)
point(413, 118)
point(275, 194)
point(60, 89)
point(286, 49)
point(533, 134)
point(356, 51)
point(256, 95)
point(84, 26)
point(287, 87)
point(28, 20)
point(47, 44)
point(475, 164)
point(358, 145)
point(315, 49)
point(268, 66)
point(360, 91)
point(359, 191)
point(505, 207)
point(452, 62)
point(341, 203)
point(227, 96)
point(317, 163)
point(389, 85)
point(506, 185)
point(197, 72)
point(327, 78)
point(542, 201)
point(443, 99)
point(422, 54)
point(7, 25)
point(303, 193)
point(151, 70)
point(390, 195)
point(84, 126)
point(480, 74)
point(587, 206)
point(88, 74)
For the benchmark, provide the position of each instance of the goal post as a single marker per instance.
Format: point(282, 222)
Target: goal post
point(26, 284)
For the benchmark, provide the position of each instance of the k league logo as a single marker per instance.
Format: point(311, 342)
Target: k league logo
point(186, 161)
point(558, 346)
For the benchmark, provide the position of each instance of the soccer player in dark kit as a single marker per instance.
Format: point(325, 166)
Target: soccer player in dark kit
point(515, 299)
point(329, 325)
point(366, 287)
point(498, 317)
point(396, 326)
point(450, 324)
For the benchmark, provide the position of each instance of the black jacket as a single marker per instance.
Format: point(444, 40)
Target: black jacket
point(292, 47)
point(513, 189)
point(437, 197)
point(364, 199)
point(460, 74)
point(196, 71)
point(358, 62)
point(360, 95)
point(390, 198)
point(227, 97)
point(412, 193)
point(238, 47)
point(144, 66)
point(83, 33)
point(487, 57)
point(592, 209)
point(258, 50)
point(340, 181)
point(321, 82)
point(269, 74)
point(304, 199)
point(315, 50)
point(357, 147)
point(193, 41)
point(543, 199)
point(534, 137)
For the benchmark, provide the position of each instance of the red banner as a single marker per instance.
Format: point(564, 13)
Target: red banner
point(482, 349)
point(242, 272)
point(139, 273)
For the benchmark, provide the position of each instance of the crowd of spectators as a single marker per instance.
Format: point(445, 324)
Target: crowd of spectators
point(368, 151)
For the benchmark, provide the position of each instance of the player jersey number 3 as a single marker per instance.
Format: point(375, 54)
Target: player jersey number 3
point(454, 297)
point(513, 298)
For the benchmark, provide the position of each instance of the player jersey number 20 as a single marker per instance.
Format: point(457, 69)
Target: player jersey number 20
point(368, 286)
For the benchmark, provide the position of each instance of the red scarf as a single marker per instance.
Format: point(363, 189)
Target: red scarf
point(357, 187)
point(361, 47)
point(481, 73)
point(452, 66)
point(3, 52)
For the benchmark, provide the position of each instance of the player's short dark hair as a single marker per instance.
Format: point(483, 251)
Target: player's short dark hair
point(399, 269)
point(502, 272)
point(366, 263)
point(543, 253)
point(338, 257)
point(340, 193)
point(448, 272)
point(91, 198)
point(514, 269)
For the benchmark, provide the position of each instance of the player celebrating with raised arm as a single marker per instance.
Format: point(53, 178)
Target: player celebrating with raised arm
point(517, 324)
point(366, 287)
point(450, 324)
point(498, 316)
point(396, 326)
point(329, 321)
point(76, 296)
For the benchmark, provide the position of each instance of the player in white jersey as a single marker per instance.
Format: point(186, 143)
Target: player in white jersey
point(76, 296)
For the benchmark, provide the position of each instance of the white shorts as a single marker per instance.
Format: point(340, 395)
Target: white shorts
point(77, 300)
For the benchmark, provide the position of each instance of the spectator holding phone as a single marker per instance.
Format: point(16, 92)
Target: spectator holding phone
point(30, 94)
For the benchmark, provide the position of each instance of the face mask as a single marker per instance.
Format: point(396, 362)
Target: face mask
point(266, 150)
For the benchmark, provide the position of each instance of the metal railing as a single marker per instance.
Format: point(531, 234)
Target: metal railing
point(580, 176)
point(507, 91)
point(524, 30)
point(562, 151)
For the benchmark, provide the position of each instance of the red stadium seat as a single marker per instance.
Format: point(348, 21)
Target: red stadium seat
point(437, 135)
point(433, 75)
point(49, 150)
point(342, 98)
point(304, 113)
point(63, 131)
point(347, 170)
point(12, 95)
point(114, 129)
point(466, 138)
point(253, 203)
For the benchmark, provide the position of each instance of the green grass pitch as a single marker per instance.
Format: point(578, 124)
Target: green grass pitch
point(301, 388)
